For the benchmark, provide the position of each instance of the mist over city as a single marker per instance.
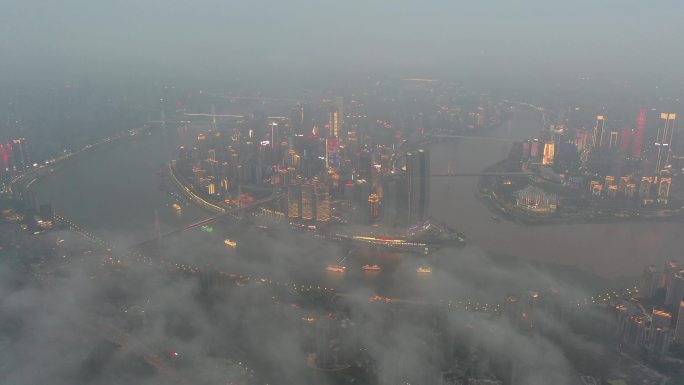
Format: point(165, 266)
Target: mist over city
point(374, 193)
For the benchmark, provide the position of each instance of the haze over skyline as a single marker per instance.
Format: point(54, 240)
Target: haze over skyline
point(631, 41)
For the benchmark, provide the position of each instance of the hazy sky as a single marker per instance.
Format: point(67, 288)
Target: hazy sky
point(219, 38)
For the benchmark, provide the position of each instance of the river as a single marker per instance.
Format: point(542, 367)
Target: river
point(115, 192)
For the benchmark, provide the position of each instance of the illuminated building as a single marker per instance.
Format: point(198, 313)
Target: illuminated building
point(599, 129)
point(582, 139)
point(322, 203)
point(660, 319)
point(418, 166)
point(334, 124)
point(659, 344)
point(20, 154)
point(625, 138)
point(4, 159)
point(534, 199)
point(664, 140)
point(630, 190)
point(638, 140)
point(549, 153)
point(331, 152)
point(534, 149)
point(225, 185)
point(674, 291)
point(664, 190)
point(307, 207)
point(613, 141)
point(374, 205)
point(596, 188)
point(679, 328)
point(202, 147)
point(669, 270)
point(645, 189)
point(211, 189)
point(294, 196)
point(339, 105)
point(650, 280)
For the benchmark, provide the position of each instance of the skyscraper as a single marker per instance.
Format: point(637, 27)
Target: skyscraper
point(679, 329)
point(334, 124)
point(20, 154)
point(418, 167)
point(664, 140)
point(638, 140)
point(650, 279)
point(599, 129)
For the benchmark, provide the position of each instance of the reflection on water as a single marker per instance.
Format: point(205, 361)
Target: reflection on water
point(114, 192)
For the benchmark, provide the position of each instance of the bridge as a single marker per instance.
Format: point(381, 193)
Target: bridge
point(206, 221)
point(455, 174)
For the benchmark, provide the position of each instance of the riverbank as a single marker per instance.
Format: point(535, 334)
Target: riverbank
point(496, 201)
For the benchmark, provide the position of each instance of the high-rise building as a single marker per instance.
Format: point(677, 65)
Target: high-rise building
point(549, 153)
point(669, 270)
point(418, 168)
point(613, 141)
point(650, 280)
point(294, 197)
point(334, 124)
point(322, 202)
point(660, 319)
point(625, 139)
point(664, 140)
point(639, 129)
point(308, 207)
point(664, 189)
point(599, 129)
point(374, 205)
point(660, 339)
point(674, 292)
point(339, 104)
point(679, 329)
point(20, 154)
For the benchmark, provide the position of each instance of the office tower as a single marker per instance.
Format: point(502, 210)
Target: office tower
point(671, 267)
point(4, 160)
point(582, 139)
point(664, 189)
point(334, 124)
point(322, 202)
point(599, 129)
point(650, 280)
point(679, 329)
point(535, 149)
point(339, 104)
point(374, 205)
point(294, 197)
point(625, 139)
point(417, 167)
point(659, 344)
point(661, 319)
point(395, 203)
point(613, 140)
point(331, 152)
point(307, 207)
point(549, 153)
point(674, 292)
point(664, 140)
point(20, 154)
point(640, 127)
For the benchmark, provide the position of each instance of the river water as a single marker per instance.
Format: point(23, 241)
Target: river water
point(114, 191)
